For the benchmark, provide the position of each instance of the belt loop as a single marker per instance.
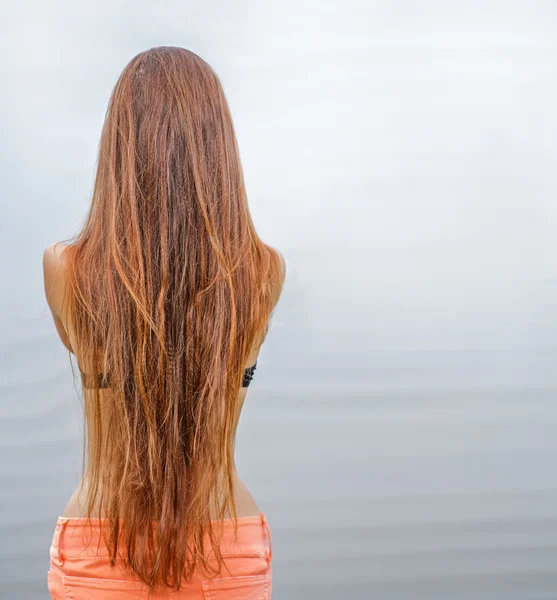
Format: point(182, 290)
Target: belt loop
point(61, 557)
point(268, 539)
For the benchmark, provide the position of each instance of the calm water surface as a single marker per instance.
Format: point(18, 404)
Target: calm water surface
point(400, 432)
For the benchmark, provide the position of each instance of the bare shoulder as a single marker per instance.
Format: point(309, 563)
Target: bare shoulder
point(281, 279)
point(282, 262)
point(54, 272)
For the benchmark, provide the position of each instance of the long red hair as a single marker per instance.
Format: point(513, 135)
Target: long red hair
point(168, 290)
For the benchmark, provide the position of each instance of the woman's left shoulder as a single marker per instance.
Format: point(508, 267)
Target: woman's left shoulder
point(54, 271)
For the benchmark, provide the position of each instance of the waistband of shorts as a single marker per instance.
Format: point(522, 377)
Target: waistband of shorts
point(80, 537)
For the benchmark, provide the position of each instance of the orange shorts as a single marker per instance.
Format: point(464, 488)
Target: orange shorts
point(80, 568)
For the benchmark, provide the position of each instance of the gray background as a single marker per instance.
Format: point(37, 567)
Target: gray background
point(400, 433)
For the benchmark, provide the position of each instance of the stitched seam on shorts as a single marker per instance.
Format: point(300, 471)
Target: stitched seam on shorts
point(210, 586)
point(101, 585)
point(105, 555)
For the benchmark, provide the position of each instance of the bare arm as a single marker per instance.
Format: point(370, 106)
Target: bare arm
point(280, 284)
point(53, 271)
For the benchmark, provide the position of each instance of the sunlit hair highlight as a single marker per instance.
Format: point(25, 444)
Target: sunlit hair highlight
point(169, 289)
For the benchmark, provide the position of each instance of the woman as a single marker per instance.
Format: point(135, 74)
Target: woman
point(164, 297)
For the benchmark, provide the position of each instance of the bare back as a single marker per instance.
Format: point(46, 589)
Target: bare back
point(54, 281)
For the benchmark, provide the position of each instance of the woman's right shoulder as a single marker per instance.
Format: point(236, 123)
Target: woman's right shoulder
point(282, 277)
point(282, 262)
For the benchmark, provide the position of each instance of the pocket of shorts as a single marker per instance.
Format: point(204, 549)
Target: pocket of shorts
point(89, 588)
point(251, 587)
